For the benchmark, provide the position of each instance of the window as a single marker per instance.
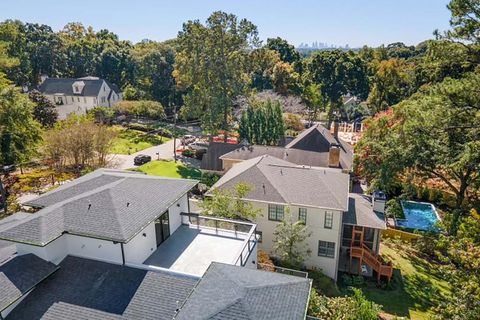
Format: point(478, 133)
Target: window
point(275, 212)
point(73, 100)
point(103, 100)
point(302, 215)
point(84, 100)
point(104, 88)
point(76, 89)
point(328, 223)
point(78, 99)
point(326, 249)
point(259, 236)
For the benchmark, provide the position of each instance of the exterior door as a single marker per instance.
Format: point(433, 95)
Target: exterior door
point(357, 236)
point(162, 228)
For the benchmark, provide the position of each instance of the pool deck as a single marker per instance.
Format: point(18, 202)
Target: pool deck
point(191, 250)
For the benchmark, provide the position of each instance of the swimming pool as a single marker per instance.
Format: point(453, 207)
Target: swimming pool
point(418, 215)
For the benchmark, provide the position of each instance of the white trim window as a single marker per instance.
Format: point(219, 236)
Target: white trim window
point(326, 249)
point(302, 215)
point(275, 212)
point(328, 223)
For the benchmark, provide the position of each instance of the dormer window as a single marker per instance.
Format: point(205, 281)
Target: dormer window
point(77, 89)
point(78, 86)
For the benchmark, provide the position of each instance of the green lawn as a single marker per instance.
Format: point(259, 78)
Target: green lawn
point(415, 287)
point(130, 141)
point(170, 169)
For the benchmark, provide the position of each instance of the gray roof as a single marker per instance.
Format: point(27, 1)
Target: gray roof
point(319, 139)
point(230, 292)
point(297, 156)
point(64, 85)
point(105, 291)
point(360, 212)
point(276, 180)
point(8, 248)
point(19, 275)
point(107, 204)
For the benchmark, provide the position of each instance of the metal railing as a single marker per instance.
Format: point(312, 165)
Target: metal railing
point(291, 272)
point(241, 229)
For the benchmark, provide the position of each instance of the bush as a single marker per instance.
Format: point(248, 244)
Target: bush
point(264, 261)
point(209, 179)
point(293, 122)
point(394, 208)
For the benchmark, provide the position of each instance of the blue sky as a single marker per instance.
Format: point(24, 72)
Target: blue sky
point(340, 22)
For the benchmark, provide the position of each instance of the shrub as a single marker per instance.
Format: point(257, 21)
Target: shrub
point(209, 179)
point(264, 261)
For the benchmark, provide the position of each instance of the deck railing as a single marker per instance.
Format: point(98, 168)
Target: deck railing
point(273, 268)
point(241, 229)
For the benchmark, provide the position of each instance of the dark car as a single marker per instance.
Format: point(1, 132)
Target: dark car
point(141, 159)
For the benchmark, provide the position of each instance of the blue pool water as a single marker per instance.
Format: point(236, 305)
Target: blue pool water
point(418, 215)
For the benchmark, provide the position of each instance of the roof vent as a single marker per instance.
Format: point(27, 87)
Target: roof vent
point(128, 204)
point(263, 186)
point(89, 206)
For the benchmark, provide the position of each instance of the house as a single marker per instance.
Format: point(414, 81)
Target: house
point(315, 147)
point(123, 245)
point(344, 227)
point(79, 95)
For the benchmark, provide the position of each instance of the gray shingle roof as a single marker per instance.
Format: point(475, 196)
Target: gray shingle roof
point(64, 85)
point(19, 275)
point(230, 292)
point(360, 212)
point(297, 156)
point(89, 289)
point(276, 180)
point(106, 204)
point(318, 139)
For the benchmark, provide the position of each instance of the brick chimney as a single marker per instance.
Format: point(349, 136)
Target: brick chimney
point(334, 156)
point(335, 129)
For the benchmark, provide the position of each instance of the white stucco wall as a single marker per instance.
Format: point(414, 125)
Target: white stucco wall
point(141, 246)
point(94, 249)
point(55, 251)
point(174, 213)
point(315, 225)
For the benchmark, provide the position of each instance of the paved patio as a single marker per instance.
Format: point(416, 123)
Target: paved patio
point(191, 251)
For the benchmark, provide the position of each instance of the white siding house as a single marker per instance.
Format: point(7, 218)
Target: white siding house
point(79, 95)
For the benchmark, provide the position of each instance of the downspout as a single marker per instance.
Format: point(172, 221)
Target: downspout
point(123, 254)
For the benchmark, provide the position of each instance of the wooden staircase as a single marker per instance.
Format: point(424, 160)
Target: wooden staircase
point(359, 250)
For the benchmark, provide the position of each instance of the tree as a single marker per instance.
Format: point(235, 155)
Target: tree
point(337, 73)
point(262, 123)
point(141, 108)
point(392, 82)
point(78, 142)
point(211, 67)
point(19, 132)
point(465, 20)
point(290, 243)
point(261, 66)
point(287, 52)
point(314, 99)
point(44, 111)
point(433, 135)
point(230, 203)
point(285, 79)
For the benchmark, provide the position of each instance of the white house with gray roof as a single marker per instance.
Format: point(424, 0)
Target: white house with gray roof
point(79, 95)
point(320, 198)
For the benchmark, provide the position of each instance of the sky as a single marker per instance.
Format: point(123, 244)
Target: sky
point(339, 22)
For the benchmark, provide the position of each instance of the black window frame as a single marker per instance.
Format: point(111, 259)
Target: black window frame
point(328, 250)
point(277, 211)
point(330, 226)
point(300, 213)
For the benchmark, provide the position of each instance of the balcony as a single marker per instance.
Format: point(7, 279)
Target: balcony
point(201, 240)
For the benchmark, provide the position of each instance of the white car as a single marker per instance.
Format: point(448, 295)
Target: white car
point(198, 145)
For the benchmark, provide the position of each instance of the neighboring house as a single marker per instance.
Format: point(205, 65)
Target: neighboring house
point(211, 160)
point(79, 95)
point(320, 198)
point(123, 245)
point(314, 147)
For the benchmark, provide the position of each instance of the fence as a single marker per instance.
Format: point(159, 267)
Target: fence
point(399, 234)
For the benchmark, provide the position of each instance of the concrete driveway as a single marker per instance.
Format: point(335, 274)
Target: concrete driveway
point(165, 152)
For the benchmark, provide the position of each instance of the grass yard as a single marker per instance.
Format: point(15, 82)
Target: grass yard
point(416, 286)
point(170, 169)
point(130, 141)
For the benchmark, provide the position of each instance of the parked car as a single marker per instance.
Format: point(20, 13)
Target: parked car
point(187, 139)
point(198, 145)
point(141, 159)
